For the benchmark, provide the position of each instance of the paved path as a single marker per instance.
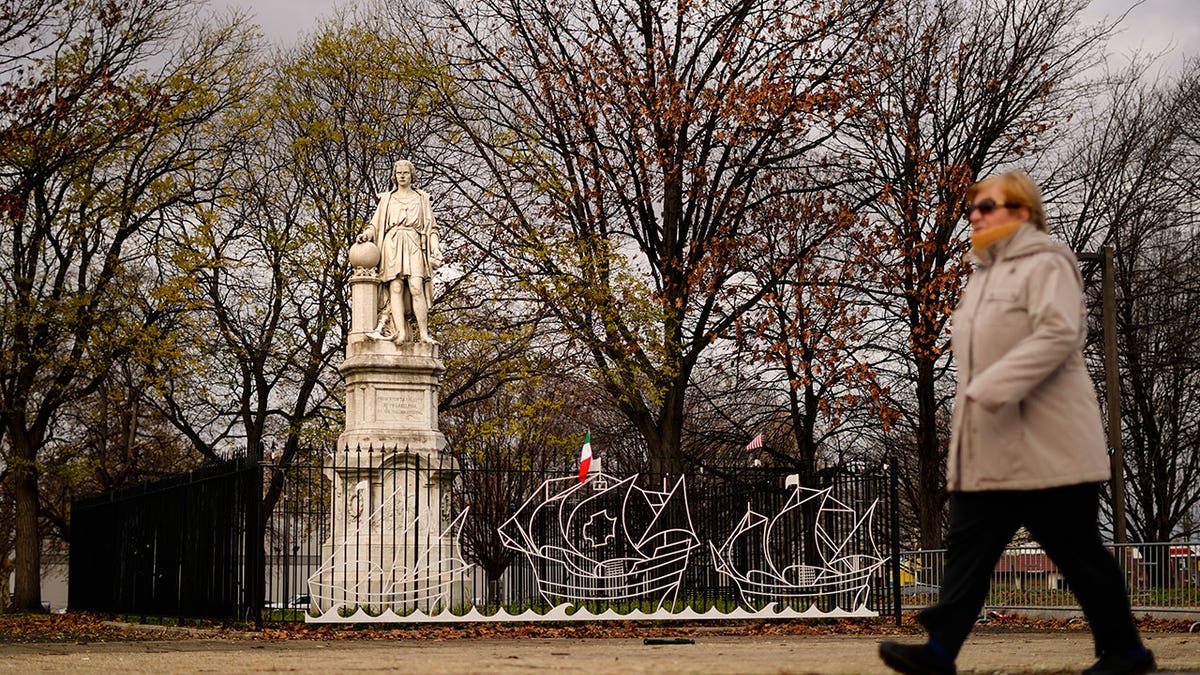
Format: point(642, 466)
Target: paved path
point(985, 653)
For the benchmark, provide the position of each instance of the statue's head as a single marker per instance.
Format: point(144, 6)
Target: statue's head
point(403, 165)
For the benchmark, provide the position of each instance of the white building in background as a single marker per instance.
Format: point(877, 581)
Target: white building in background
point(54, 581)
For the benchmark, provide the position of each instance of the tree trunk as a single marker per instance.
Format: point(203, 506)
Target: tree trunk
point(931, 491)
point(494, 596)
point(666, 460)
point(27, 592)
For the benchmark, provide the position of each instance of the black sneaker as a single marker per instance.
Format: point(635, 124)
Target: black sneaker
point(913, 659)
point(1128, 663)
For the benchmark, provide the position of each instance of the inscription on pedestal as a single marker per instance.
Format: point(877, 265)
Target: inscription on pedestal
point(400, 405)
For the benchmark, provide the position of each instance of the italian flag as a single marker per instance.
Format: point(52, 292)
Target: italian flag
point(585, 456)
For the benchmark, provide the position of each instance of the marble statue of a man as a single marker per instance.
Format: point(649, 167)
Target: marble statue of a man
point(404, 230)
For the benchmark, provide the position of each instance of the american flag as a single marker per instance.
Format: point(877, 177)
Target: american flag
point(754, 443)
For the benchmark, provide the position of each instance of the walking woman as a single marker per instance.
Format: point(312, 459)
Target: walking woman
point(1027, 446)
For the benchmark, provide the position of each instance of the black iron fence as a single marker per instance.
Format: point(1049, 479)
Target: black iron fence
point(387, 535)
point(183, 546)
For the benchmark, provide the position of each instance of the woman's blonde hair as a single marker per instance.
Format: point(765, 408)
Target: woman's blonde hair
point(1017, 187)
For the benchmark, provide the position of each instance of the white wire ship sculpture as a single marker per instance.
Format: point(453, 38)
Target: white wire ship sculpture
point(780, 575)
point(609, 549)
point(604, 540)
point(367, 577)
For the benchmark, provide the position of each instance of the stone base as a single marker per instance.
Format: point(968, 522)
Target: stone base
point(389, 546)
point(392, 397)
point(414, 571)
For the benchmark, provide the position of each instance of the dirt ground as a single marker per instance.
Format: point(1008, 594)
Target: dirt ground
point(986, 652)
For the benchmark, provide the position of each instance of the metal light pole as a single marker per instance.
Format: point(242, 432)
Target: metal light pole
point(1112, 386)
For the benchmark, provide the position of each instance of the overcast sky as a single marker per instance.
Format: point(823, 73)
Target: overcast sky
point(1153, 25)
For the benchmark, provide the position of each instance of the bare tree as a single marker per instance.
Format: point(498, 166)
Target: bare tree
point(107, 441)
point(808, 334)
point(24, 24)
point(1128, 180)
point(970, 86)
point(620, 150)
point(506, 444)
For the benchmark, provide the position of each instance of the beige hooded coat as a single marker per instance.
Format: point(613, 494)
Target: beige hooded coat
point(1026, 415)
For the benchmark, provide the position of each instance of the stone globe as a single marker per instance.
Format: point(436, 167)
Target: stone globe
point(364, 254)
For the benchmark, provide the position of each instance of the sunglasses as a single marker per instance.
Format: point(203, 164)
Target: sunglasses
point(986, 206)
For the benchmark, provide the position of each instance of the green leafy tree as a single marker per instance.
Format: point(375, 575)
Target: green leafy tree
point(113, 120)
point(268, 261)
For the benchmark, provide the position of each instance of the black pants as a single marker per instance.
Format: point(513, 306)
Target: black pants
point(1063, 520)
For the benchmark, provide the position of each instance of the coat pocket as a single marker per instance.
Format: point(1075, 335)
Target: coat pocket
point(1002, 322)
point(1000, 444)
point(1002, 294)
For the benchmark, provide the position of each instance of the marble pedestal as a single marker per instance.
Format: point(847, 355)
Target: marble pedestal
point(389, 546)
point(392, 397)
